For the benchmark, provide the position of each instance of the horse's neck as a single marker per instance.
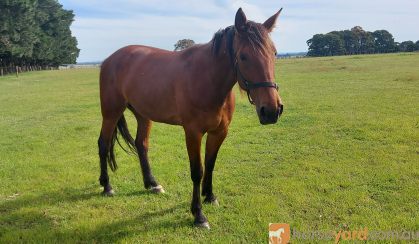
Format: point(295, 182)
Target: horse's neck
point(222, 75)
point(211, 75)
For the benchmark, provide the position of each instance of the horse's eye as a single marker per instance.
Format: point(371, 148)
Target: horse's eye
point(243, 57)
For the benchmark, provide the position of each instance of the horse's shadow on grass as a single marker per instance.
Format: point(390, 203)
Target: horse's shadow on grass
point(26, 218)
point(52, 198)
point(117, 230)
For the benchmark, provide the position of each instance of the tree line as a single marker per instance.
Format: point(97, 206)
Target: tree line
point(357, 41)
point(35, 34)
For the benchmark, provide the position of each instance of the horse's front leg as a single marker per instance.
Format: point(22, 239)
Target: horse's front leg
point(214, 141)
point(193, 143)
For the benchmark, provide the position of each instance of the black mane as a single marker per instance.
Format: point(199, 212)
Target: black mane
point(218, 38)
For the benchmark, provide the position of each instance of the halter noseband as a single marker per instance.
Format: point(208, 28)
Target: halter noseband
point(249, 85)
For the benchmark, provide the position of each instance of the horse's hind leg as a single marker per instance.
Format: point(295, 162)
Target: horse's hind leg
point(141, 142)
point(106, 153)
point(112, 110)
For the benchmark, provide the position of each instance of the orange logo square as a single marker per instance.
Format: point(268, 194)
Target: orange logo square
point(279, 233)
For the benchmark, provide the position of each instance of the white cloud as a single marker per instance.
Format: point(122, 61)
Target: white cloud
point(101, 27)
point(98, 38)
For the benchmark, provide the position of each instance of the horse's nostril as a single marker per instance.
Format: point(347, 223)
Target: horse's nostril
point(262, 112)
point(281, 109)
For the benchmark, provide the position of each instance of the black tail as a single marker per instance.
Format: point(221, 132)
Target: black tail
point(126, 136)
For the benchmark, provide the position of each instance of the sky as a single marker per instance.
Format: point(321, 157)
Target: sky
point(103, 26)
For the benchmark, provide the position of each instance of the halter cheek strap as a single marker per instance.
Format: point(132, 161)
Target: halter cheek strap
point(248, 85)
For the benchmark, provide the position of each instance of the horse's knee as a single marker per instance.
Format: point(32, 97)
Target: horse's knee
point(196, 174)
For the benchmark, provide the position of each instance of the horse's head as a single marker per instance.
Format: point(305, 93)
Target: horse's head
point(255, 65)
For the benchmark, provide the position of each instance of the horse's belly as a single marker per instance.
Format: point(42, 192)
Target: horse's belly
point(156, 105)
point(162, 115)
point(175, 120)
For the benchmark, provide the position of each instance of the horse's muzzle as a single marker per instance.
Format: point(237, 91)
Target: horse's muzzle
point(270, 116)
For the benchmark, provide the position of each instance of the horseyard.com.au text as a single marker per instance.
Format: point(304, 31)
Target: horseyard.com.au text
point(281, 233)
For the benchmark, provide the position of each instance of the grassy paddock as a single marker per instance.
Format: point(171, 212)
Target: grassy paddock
point(343, 156)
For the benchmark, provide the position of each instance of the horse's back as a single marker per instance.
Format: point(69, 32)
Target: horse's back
point(144, 77)
point(125, 57)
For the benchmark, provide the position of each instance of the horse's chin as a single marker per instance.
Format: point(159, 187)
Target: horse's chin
point(268, 121)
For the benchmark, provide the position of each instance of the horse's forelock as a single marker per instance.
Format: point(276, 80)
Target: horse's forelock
point(254, 34)
point(257, 36)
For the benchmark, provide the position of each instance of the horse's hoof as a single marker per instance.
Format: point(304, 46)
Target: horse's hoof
point(157, 189)
point(109, 193)
point(212, 201)
point(204, 225)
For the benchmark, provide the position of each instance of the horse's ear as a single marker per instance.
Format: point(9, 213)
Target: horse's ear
point(240, 21)
point(270, 23)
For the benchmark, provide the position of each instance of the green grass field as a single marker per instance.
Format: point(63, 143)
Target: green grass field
point(344, 155)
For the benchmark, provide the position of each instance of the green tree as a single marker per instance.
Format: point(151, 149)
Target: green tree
point(183, 44)
point(350, 42)
point(396, 47)
point(383, 41)
point(36, 32)
point(17, 31)
point(364, 40)
point(356, 41)
point(407, 46)
point(368, 45)
point(56, 45)
point(326, 45)
point(335, 44)
point(315, 46)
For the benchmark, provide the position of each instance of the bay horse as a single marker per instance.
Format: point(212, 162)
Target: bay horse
point(191, 88)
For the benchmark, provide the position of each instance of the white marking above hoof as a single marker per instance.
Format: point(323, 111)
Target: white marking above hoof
point(215, 202)
point(212, 202)
point(108, 193)
point(157, 189)
point(204, 225)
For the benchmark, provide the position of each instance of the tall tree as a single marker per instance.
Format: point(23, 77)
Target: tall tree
point(383, 41)
point(407, 46)
point(17, 27)
point(56, 45)
point(335, 44)
point(315, 46)
point(326, 45)
point(36, 32)
point(364, 39)
point(351, 42)
point(183, 44)
point(368, 45)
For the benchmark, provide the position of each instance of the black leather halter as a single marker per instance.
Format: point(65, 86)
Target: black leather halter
point(250, 85)
point(244, 83)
